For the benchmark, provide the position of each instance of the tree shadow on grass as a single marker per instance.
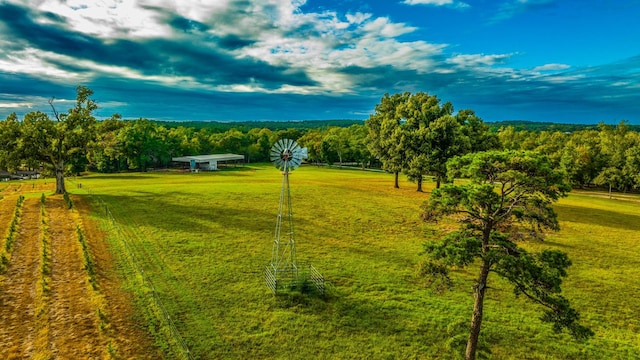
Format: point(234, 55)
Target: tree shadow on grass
point(151, 209)
point(590, 216)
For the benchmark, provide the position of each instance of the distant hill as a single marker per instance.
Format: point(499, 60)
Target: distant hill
point(222, 126)
point(546, 126)
point(272, 125)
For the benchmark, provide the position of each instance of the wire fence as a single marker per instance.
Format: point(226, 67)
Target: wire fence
point(135, 265)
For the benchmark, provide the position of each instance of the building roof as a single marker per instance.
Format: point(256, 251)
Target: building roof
point(208, 158)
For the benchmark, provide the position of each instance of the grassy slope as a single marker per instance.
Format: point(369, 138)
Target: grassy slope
point(205, 239)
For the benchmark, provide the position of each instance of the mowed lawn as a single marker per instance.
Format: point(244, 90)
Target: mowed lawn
point(204, 240)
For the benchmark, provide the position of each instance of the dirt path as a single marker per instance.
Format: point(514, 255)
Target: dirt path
point(17, 288)
point(74, 332)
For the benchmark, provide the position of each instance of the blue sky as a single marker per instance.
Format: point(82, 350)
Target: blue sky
point(229, 60)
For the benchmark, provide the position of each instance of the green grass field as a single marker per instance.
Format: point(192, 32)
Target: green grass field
point(204, 240)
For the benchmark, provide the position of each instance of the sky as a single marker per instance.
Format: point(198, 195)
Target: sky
point(573, 61)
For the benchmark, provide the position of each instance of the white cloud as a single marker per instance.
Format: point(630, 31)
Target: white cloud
point(450, 3)
point(361, 41)
point(478, 60)
point(9, 105)
point(34, 62)
point(552, 67)
point(563, 79)
point(386, 28)
point(106, 18)
point(358, 18)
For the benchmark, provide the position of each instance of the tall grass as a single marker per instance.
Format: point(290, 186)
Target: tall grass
point(204, 239)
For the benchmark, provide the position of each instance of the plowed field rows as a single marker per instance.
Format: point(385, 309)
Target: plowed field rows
point(70, 318)
point(17, 292)
point(74, 331)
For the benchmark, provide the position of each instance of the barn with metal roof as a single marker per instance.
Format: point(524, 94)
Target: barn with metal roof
point(208, 162)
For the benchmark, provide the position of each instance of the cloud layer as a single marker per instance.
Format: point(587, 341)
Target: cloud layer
point(271, 59)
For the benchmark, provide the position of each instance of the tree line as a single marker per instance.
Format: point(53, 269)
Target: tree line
point(410, 134)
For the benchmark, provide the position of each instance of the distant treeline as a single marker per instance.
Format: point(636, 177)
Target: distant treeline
point(601, 155)
point(546, 126)
point(222, 126)
point(244, 126)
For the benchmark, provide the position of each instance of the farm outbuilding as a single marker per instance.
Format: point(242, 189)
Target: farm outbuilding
point(208, 162)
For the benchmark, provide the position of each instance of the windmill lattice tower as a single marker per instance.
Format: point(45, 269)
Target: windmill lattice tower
point(283, 271)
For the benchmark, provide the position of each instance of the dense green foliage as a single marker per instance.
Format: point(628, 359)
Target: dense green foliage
point(206, 249)
point(59, 144)
point(608, 156)
point(416, 135)
point(537, 126)
point(507, 200)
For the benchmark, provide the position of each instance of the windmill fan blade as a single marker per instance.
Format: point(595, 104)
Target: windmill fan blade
point(286, 154)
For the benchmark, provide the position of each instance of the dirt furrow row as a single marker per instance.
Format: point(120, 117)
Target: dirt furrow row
point(12, 189)
point(17, 289)
point(7, 206)
point(74, 333)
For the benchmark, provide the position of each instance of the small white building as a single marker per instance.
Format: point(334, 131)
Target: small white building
point(207, 162)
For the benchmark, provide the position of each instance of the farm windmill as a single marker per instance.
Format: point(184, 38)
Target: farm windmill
point(283, 271)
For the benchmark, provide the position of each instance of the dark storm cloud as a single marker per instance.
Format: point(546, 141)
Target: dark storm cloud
point(23, 30)
point(187, 25)
point(190, 56)
point(175, 104)
point(233, 42)
point(27, 33)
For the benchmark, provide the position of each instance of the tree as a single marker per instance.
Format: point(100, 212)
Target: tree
point(507, 200)
point(312, 140)
point(144, 143)
point(358, 144)
point(614, 144)
point(416, 134)
point(261, 142)
point(56, 142)
point(337, 141)
point(105, 154)
point(9, 142)
point(429, 136)
point(385, 134)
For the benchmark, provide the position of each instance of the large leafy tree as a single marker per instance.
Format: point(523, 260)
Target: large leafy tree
point(385, 134)
point(337, 141)
point(416, 134)
point(428, 136)
point(144, 143)
point(312, 140)
point(105, 153)
point(55, 142)
point(508, 199)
